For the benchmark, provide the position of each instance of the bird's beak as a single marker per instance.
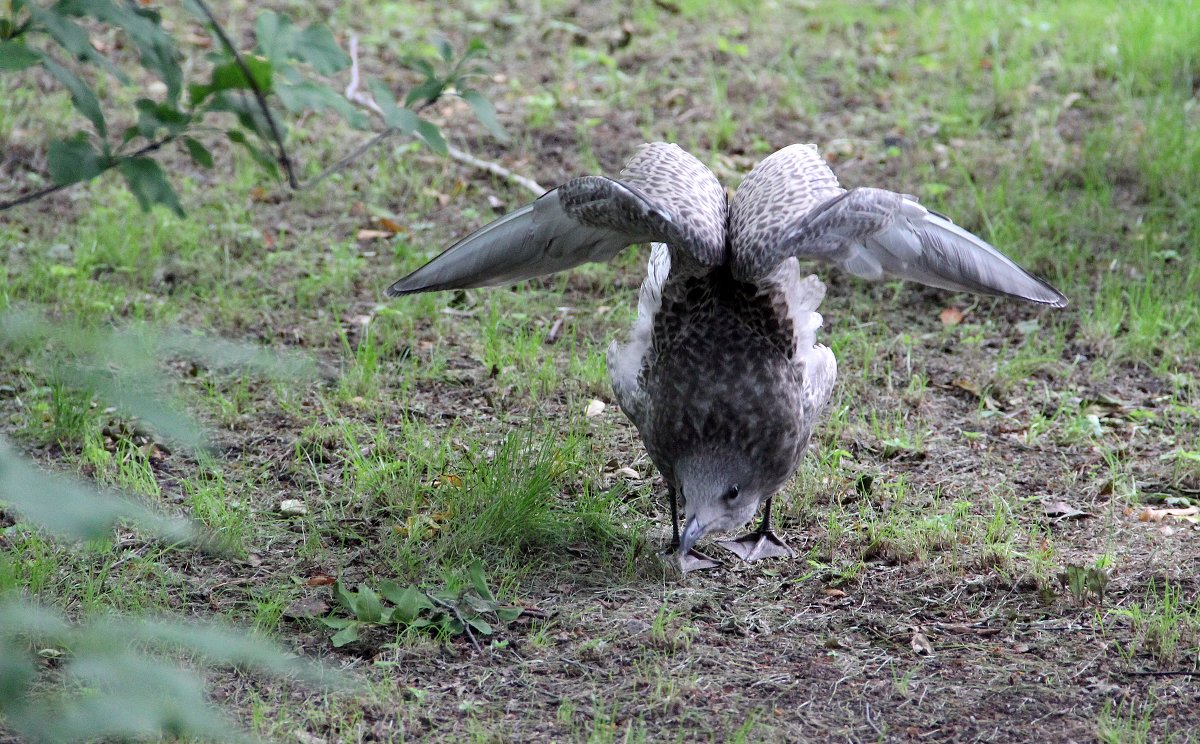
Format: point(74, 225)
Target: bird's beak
point(692, 532)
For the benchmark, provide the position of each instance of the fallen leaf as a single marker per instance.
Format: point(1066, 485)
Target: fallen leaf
point(829, 591)
point(366, 234)
point(1190, 514)
point(448, 479)
point(1060, 510)
point(629, 473)
point(320, 580)
point(390, 226)
point(920, 644)
point(594, 408)
point(951, 316)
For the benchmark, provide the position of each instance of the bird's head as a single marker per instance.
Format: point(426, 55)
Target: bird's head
point(718, 495)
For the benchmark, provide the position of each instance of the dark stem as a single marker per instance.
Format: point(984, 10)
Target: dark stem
point(355, 154)
point(114, 162)
point(259, 96)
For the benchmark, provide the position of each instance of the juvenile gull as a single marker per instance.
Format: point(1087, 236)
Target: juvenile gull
point(722, 374)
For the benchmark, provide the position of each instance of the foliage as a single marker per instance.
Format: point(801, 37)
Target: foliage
point(447, 612)
point(286, 67)
point(129, 693)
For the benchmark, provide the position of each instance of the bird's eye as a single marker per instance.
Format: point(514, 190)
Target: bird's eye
point(731, 495)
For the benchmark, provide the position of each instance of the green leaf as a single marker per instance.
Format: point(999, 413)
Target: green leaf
point(394, 116)
point(314, 96)
point(432, 137)
point(479, 581)
point(486, 113)
point(274, 34)
point(82, 96)
point(73, 160)
point(69, 508)
point(336, 622)
point(348, 634)
point(369, 608)
point(346, 598)
point(409, 601)
point(261, 156)
point(480, 625)
point(316, 46)
point(153, 116)
point(508, 614)
point(200, 154)
point(149, 184)
point(14, 55)
point(445, 50)
point(430, 90)
point(229, 76)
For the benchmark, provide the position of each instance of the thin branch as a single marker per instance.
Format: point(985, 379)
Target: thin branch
point(259, 96)
point(497, 169)
point(355, 94)
point(113, 163)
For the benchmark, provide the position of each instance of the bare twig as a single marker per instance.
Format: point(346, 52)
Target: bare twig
point(496, 169)
point(259, 96)
point(355, 94)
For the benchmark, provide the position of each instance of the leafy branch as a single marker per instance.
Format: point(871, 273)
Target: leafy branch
point(283, 66)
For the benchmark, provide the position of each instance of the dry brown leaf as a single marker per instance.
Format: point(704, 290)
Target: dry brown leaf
point(829, 591)
point(320, 580)
point(951, 316)
point(1190, 514)
point(448, 479)
point(390, 226)
point(366, 234)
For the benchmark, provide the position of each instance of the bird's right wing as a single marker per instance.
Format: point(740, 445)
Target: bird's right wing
point(665, 195)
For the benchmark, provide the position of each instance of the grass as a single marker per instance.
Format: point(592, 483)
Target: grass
point(452, 427)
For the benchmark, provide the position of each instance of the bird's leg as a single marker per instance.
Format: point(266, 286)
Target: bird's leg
point(761, 543)
point(693, 560)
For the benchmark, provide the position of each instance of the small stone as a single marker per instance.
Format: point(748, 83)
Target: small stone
point(594, 408)
point(292, 508)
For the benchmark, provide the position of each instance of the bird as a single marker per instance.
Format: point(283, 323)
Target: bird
point(721, 373)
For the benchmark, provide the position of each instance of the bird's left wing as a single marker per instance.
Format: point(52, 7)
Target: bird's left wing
point(871, 233)
point(589, 219)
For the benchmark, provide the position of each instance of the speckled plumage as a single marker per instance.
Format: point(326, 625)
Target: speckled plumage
point(721, 374)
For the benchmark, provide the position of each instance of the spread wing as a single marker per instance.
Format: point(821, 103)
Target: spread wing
point(664, 195)
point(870, 233)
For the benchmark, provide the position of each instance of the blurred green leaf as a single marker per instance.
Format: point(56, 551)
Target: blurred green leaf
point(229, 76)
point(68, 508)
point(149, 184)
point(274, 34)
point(486, 113)
point(82, 96)
point(316, 46)
point(348, 634)
point(153, 116)
point(402, 119)
point(432, 137)
point(261, 156)
point(14, 55)
point(313, 96)
point(430, 90)
point(200, 154)
point(73, 160)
